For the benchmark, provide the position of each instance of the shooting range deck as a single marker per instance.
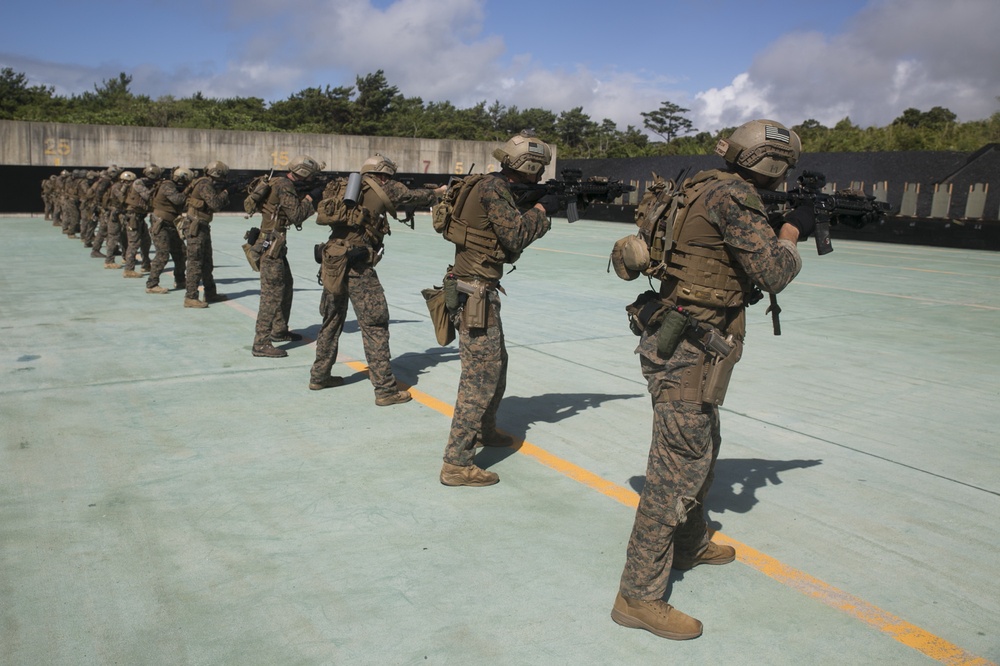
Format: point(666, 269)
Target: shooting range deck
point(165, 497)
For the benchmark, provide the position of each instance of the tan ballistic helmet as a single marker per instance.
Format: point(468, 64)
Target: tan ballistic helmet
point(127, 176)
point(378, 164)
point(306, 167)
point(182, 175)
point(630, 257)
point(217, 169)
point(113, 171)
point(524, 153)
point(761, 146)
point(152, 171)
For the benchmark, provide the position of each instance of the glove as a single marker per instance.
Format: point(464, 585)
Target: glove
point(316, 195)
point(551, 204)
point(803, 218)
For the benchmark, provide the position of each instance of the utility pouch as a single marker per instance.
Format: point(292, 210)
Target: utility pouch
point(155, 224)
point(444, 329)
point(193, 227)
point(451, 298)
point(720, 371)
point(333, 273)
point(645, 311)
point(475, 310)
point(672, 328)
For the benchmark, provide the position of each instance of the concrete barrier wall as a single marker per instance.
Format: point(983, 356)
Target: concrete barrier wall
point(65, 145)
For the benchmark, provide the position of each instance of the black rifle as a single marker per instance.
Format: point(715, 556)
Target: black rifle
point(575, 194)
point(854, 210)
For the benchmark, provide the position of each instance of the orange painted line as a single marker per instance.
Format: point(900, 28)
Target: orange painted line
point(900, 630)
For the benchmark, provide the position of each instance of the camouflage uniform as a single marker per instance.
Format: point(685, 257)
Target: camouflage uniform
point(48, 192)
point(97, 194)
point(482, 350)
point(364, 291)
point(727, 222)
point(70, 203)
point(284, 207)
point(88, 210)
point(137, 201)
point(203, 202)
point(167, 203)
point(115, 206)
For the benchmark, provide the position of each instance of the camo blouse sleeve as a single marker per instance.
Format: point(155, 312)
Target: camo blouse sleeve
point(401, 195)
point(515, 230)
point(738, 211)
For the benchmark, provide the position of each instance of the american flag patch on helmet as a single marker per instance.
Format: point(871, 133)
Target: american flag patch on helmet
point(772, 133)
point(536, 148)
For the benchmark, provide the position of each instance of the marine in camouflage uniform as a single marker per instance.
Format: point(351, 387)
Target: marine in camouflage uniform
point(284, 207)
point(48, 185)
point(137, 204)
point(207, 197)
point(70, 201)
point(98, 193)
point(724, 249)
point(167, 203)
point(502, 231)
point(88, 210)
point(115, 206)
point(380, 196)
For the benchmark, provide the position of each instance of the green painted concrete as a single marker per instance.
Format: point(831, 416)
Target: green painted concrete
point(166, 498)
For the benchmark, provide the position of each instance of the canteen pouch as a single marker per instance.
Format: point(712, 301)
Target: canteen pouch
point(672, 328)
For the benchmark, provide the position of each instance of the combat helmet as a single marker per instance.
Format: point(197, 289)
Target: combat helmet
point(379, 164)
point(127, 176)
point(113, 171)
point(152, 171)
point(305, 167)
point(217, 169)
point(182, 175)
point(763, 147)
point(524, 153)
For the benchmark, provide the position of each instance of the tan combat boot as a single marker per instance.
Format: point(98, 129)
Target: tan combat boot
point(470, 475)
point(268, 351)
point(326, 382)
point(713, 554)
point(194, 303)
point(393, 399)
point(157, 290)
point(495, 439)
point(112, 265)
point(657, 617)
point(132, 274)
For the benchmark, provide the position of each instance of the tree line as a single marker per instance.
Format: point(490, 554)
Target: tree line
point(373, 107)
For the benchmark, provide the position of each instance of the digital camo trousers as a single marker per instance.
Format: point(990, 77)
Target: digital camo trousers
point(679, 473)
point(137, 233)
point(366, 294)
point(199, 262)
point(167, 242)
point(275, 299)
point(114, 236)
point(480, 387)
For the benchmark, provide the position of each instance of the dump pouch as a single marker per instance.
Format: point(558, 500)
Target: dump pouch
point(253, 257)
point(333, 272)
point(444, 329)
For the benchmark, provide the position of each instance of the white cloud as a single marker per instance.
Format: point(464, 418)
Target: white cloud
point(894, 55)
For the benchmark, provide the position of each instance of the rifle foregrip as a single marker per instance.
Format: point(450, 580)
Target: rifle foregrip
point(822, 234)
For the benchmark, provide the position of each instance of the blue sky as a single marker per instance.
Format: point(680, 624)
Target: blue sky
point(726, 61)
